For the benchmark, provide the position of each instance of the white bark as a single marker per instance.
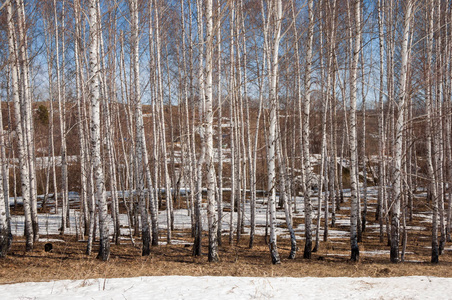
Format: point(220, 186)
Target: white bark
point(306, 133)
point(109, 90)
point(139, 129)
point(298, 92)
point(260, 65)
point(5, 230)
point(354, 213)
point(220, 133)
point(94, 34)
point(429, 108)
point(272, 136)
point(439, 138)
point(62, 117)
point(81, 128)
point(201, 109)
point(168, 194)
point(23, 164)
point(363, 147)
point(381, 193)
point(153, 201)
point(188, 131)
point(330, 92)
point(27, 115)
point(397, 179)
point(231, 121)
point(211, 201)
point(283, 193)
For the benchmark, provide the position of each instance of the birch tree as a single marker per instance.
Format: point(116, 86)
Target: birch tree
point(26, 107)
point(162, 126)
point(94, 35)
point(211, 200)
point(80, 108)
point(220, 128)
point(307, 176)
point(276, 12)
point(395, 222)
point(381, 189)
point(139, 131)
point(260, 66)
point(62, 117)
point(429, 107)
point(22, 154)
point(202, 156)
point(5, 230)
point(354, 213)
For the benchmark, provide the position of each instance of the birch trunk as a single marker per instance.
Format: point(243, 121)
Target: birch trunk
point(109, 89)
point(299, 96)
point(5, 230)
point(272, 136)
point(23, 165)
point(220, 133)
point(429, 108)
point(448, 132)
point(323, 146)
point(62, 116)
point(381, 181)
point(307, 176)
point(139, 129)
point(5, 161)
point(397, 183)
point(354, 213)
point(363, 146)
point(153, 197)
point(188, 132)
point(253, 180)
point(211, 201)
point(27, 115)
point(81, 128)
point(330, 92)
point(285, 196)
point(231, 122)
point(201, 160)
point(94, 34)
point(439, 139)
point(168, 194)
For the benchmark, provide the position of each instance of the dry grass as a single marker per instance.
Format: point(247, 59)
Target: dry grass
point(68, 259)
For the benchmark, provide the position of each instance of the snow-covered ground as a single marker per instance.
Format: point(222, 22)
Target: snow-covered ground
point(50, 223)
point(188, 287)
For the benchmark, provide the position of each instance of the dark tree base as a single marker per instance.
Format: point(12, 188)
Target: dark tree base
point(435, 255)
point(355, 253)
point(213, 255)
point(274, 254)
point(104, 250)
point(197, 246)
point(394, 254)
point(5, 243)
point(307, 250)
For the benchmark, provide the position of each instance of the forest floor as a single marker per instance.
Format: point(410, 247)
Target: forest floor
point(68, 260)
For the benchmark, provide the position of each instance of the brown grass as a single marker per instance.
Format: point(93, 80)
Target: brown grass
point(69, 261)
